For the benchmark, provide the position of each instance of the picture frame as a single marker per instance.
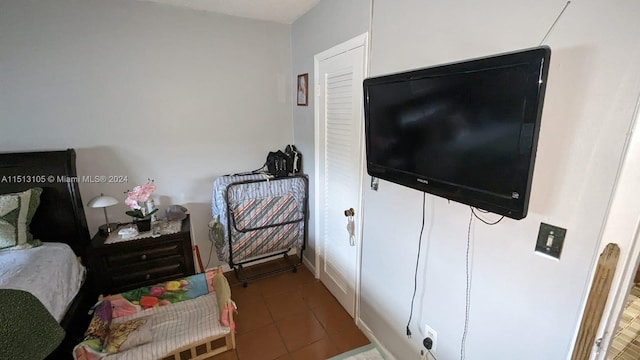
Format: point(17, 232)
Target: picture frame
point(302, 93)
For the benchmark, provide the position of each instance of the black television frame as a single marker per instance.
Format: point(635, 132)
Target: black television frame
point(537, 62)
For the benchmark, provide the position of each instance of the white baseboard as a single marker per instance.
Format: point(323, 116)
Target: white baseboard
point(369, 334)
point(310, 266)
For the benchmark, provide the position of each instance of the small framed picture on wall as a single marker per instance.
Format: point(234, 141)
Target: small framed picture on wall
point(303, 90)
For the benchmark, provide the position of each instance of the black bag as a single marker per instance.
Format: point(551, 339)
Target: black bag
point(277, 163)
point(294, 163)
point(285, 163)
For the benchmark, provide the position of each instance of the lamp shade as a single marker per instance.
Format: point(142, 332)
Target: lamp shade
point(102, 201)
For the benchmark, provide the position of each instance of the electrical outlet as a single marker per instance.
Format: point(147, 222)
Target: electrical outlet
point(430, 333)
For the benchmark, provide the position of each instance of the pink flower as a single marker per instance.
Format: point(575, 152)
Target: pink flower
point(136, 190)
point(156, 291)
point(133, 204)
point(139, 194)
point(147, 189)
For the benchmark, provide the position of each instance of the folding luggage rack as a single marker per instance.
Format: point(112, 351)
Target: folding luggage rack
point(262, 218)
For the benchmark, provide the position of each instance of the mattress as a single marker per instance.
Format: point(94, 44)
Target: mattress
point(51, 272)
point(266, 216)
point(175, 326)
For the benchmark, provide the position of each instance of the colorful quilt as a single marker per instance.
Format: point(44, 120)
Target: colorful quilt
point(130, 303)
point(166, 293)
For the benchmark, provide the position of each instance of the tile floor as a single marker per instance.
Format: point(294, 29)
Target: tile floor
point(289, 316)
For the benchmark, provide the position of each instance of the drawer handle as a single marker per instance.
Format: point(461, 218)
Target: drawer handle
point(143, 257)
point(148, 276)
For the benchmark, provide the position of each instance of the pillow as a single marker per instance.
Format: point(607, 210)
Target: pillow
point(99, 325)
point(209, 276)
point(226, 306)
point(123, 336)
point(16, 213)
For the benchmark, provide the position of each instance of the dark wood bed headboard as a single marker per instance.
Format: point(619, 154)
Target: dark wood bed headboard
point(60, 216)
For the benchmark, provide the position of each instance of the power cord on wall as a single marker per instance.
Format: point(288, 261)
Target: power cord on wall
point(428, 342)
point(415, 275)
point(473, 211)
point(209, 259)
point(467, 288)
point(467, 309)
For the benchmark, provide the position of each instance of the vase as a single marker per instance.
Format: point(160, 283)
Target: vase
point(143, 224)
point(150, 206)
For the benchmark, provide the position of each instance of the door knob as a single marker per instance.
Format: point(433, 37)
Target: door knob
point(351, 226)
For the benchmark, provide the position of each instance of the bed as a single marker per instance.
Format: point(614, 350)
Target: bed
point(186, 318)
point(51, 278)
point(256, 217)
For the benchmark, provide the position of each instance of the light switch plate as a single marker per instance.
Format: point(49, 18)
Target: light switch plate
point(550, 240)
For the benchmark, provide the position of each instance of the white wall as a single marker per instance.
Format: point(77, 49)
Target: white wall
point(523, 306)
point(145, 91)
point(623, 228)
point(326, 25)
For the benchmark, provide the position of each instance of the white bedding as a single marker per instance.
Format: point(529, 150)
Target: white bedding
point(51, 272)
point(175, 326)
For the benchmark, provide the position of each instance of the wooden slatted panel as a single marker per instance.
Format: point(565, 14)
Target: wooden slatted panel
point(339, 125)
point(339, 164)
point(214, 345)
point(596, 301)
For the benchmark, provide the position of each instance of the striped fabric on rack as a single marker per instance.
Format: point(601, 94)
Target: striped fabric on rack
point(258, 213)
point(255, 205)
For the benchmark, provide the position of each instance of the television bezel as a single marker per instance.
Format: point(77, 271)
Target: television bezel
point(538, 60)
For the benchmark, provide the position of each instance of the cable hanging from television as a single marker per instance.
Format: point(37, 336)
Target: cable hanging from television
point(473, 211)
point(467, 291)
point(415, 274)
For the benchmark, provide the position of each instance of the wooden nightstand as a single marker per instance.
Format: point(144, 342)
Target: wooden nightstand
point(131, 264)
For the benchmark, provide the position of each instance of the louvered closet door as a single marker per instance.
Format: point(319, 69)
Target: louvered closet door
point(341, 170)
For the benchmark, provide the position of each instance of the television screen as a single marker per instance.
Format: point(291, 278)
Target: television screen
point(465, 131)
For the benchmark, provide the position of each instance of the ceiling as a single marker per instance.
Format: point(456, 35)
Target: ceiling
point(281, 11)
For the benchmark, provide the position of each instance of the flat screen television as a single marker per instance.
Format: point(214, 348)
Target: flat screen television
point(465, 131)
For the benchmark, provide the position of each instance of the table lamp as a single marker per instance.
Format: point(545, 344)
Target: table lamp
point(104, 201)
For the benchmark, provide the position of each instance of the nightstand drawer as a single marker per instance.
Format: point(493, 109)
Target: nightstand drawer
point(139, 276)
point(128, 265)
point(161, 251)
